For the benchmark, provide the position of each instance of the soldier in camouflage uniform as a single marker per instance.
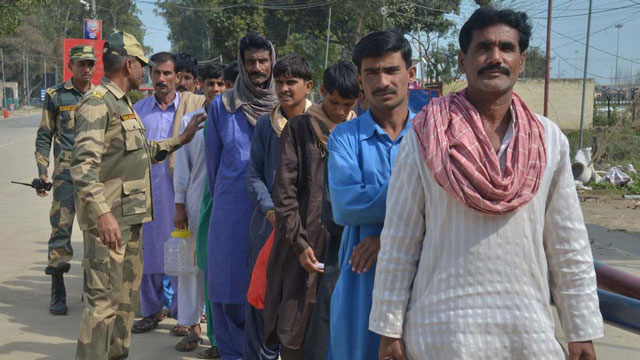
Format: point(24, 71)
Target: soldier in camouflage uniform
point(110, 167)
point(58, 127)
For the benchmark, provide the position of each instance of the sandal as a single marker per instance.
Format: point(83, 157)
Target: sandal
point(146, 324)
point(189, 342)
point(210, 353)
point(179, 330)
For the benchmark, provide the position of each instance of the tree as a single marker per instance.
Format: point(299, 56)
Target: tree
point(13, 13)
point(535, 63)
point(40, 35)
point(209, 28)
point(442, 64)
point(351, 20)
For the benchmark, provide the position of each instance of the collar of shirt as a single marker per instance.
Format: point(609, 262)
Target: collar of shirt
point(369, 127)
point(508, 136)
point(68, 85)
point(176, 101)
point(111, 86)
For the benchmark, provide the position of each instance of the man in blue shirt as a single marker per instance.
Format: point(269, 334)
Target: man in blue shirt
point(361, 156)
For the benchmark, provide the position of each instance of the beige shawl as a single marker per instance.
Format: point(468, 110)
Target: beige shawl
point(278, 121)
point(321, 125)
point(188, 102)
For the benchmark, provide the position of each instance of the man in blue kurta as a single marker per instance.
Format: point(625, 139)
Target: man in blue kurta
point(232, 118)
point(157, 113)
point(361, 156)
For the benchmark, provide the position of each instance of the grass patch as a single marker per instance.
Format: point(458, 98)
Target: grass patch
point(623, 147)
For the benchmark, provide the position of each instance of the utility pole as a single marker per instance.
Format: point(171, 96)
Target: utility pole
point(24, 77)
point(618, 26)
point(28, 80)
point(4, 98)
point(420, 55)
point(326, 54)
point(584, 77)
point(383, 11)
point(575, 70)
point(547, 60)
point(44, 74)
point(288, 32)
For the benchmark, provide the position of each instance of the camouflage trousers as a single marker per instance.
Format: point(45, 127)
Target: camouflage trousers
point(61, 217)
point(111, 283)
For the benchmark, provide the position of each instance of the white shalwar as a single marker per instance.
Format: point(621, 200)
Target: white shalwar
point(455, 283)
point(189, 177)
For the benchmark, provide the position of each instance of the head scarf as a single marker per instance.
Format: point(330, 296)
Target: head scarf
point(278, 121)
point(321, 124)
point(457, 150)
point(254, 101)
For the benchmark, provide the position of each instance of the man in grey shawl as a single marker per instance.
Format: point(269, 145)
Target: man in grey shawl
point(230, 126)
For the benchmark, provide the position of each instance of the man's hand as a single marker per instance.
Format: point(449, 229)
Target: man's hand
point(391, 349)
point(42, 192)
point(109, 231)
point(365, 254)
point(582, 350)
point(308, 261)
point(192, 128)
point(272, 219)
point(180, 220)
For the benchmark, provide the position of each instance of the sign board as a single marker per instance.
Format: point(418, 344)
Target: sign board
point(93, 29)
point(42, 92)
point(98, 45)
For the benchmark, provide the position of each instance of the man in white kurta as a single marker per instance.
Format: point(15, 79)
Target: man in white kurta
point(453, 282)
point(189, 180)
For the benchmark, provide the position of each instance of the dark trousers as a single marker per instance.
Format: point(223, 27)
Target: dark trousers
point(317, 338)
point(254, 347)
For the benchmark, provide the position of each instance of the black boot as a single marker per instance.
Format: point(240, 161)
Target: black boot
point(58, 305)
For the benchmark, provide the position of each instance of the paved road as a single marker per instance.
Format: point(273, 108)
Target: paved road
point(27, 331)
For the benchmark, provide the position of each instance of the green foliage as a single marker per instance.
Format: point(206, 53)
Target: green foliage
point(222, 24)
point(135, 95)
point(13, 13)
point(40, 35)
point(535, 63)
point(208, 28)
point(623, 148)
point(629, 189)
point(442, 64)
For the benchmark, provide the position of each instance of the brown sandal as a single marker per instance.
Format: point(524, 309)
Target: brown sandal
point(179, 330)
point(189, 342)
point(210, 353)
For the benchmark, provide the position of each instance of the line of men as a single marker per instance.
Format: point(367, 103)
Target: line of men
point(455, 256)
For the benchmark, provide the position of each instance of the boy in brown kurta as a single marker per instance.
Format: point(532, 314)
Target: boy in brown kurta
point(294, 270)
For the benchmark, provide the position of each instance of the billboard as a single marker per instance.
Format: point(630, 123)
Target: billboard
point(97, 48)
point(93, 29)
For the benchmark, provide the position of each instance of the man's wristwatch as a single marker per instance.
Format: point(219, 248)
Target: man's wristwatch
point(269, 212)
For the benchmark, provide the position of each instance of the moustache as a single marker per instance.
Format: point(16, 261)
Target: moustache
point(384, 91)
point(492, 67)
point(161, 85)
point(257, 73)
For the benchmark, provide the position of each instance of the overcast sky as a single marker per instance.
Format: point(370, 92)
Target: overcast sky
point(567, 42)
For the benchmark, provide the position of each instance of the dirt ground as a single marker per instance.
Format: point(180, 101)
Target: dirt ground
point(611, 211)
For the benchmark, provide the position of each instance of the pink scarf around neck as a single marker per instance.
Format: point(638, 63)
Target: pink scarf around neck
point(456, 149)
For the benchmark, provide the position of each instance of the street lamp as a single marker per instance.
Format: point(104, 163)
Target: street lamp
point(618, 26)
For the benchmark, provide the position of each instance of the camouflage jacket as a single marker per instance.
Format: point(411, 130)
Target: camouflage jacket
point(111, 159)
point(57, 127)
